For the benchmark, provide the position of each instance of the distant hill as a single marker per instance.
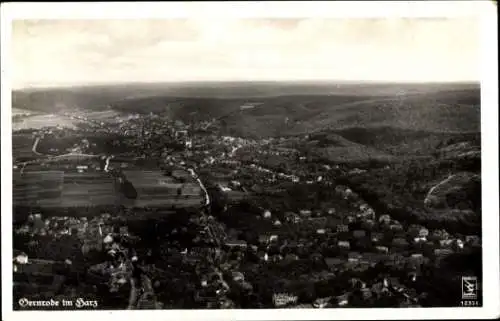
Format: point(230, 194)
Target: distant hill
point(281, 108)
point(332, 147)
point(440, 111)
point(398, 141)
point(99, 97)
point(436, 112)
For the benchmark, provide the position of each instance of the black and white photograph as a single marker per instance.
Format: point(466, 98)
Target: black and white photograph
point(260, 161)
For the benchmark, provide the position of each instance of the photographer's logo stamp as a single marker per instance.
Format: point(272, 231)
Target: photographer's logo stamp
point(470, 291)
point(469, 288)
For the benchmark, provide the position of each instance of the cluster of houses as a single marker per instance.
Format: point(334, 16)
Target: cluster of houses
point(359, 239)
point(343, 241)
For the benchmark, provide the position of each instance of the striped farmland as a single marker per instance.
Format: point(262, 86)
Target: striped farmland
point(63, 189)
point(155, 189)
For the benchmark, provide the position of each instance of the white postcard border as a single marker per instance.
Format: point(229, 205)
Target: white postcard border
point(489, 122)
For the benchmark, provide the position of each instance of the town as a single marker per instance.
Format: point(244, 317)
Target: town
point(145, 212)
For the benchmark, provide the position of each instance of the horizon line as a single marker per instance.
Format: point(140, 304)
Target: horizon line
point(276, 81)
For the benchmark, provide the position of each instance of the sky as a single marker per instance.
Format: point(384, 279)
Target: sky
point(81, 52)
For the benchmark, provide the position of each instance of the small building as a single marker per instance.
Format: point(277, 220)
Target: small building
point(350, 219)
point(423, 232)
point(392, 282)
point(368, 224)
point(283, 299)
point(305, 213)
point(382, 249)
point(439, 235)
point(333, 262)
point(414, 230)
point(384, 219)
point(321, 303)
point(399, 243)
point(396, 227)
point(429, 246)
point(344, 245)
point(342, 228)
point(263, 239)
point(266, 238)
point(236, 244)
point(316, 257)
point(366, 293)
point(473, 240)
point(442, 252)
point(348, 193)
point(82, 168)
point(374, 258)
point(238, 276)
point(108, 239)
point(342, 300)
point(364, 207)
point(417, 258)
point(379, 289)
point(291, 257)
point(124, 230)
point(446, 243)
point(354, 257)
point(263, 256)
point(235, 184)
point(292, 217)
point(339, 189)
point(357, 283)
point(459, 244)
point(419, 239)
point(21, 258)
point(359, 234)
point(377, 237)
point(412, 276)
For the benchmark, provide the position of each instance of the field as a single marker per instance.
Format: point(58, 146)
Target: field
point(22, 146)
point(20, 112)
point(36, 187)
point(59, 189)
point(40, 121)
point(154, 189)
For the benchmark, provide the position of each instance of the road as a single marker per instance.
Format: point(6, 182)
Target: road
point(35, 145)
point(196, 177)
point(106, 166)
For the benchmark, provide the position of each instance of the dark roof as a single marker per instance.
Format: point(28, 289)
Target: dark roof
point(331, 261)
